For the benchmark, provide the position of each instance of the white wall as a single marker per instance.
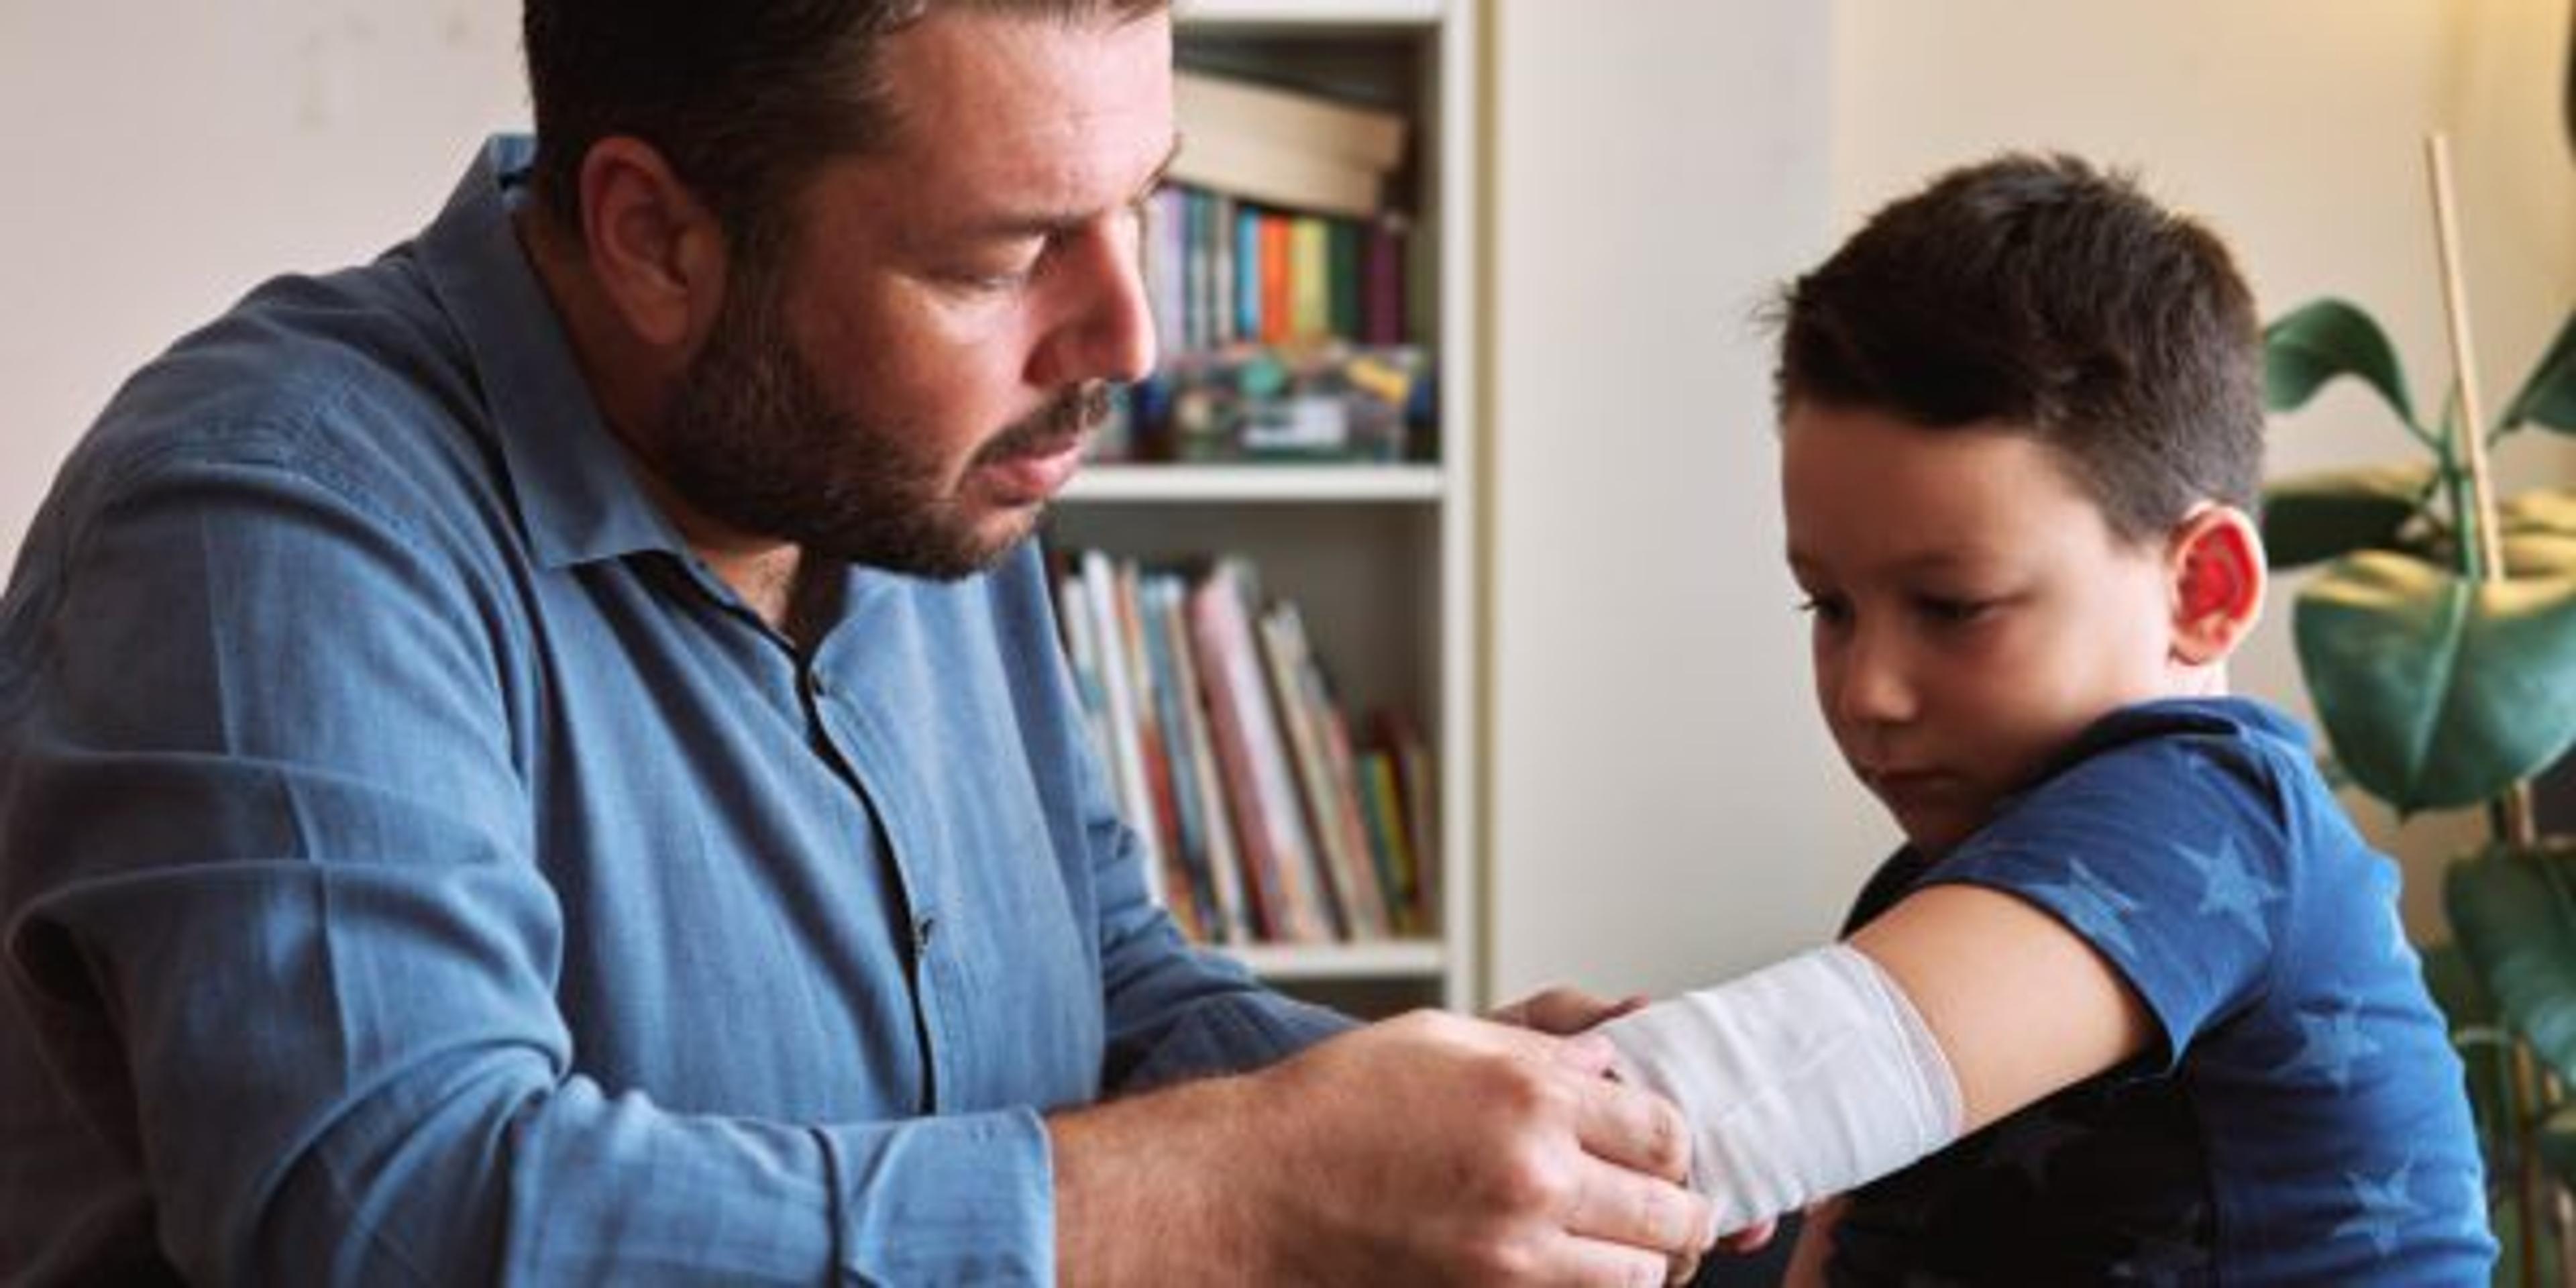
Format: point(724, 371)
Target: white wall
point(163, 157)
point(1665, 807)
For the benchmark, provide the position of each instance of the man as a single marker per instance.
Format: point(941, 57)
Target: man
point(543, 758)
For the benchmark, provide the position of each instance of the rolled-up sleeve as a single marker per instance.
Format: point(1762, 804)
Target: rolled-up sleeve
point(1176, 1012)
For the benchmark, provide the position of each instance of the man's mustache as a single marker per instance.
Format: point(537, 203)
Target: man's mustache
point(1046, 431)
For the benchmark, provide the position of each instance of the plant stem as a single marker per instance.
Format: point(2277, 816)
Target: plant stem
point(2513, 818)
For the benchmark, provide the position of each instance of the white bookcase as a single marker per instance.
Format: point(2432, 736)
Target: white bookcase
point(1381, 559)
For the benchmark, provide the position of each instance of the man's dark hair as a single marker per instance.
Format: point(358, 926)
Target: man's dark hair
point(2045, 295)
point(744, 98)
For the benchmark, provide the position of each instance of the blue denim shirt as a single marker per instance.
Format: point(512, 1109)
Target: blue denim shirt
point(416, 867)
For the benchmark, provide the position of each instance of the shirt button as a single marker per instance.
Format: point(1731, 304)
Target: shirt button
point(921, 934)
point(815, 686)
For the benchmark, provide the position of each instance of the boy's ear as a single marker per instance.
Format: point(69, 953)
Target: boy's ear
point(2218, 577)
point(657, 252)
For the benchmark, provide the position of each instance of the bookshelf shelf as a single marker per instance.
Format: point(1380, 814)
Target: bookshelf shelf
point(1384, 959)
point(1259, 483)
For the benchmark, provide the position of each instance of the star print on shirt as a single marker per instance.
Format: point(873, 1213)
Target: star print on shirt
point(2380, 1207)
point(2330, 1044)
point(2095, 908)
point(2230, 888)
point(2473, 1213)
point(2399, 947)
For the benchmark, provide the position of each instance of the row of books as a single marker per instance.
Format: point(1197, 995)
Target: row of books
point(1265, 816)
point(1229, 272)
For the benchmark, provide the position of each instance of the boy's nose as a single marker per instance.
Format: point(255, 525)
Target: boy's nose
point(1874, 686)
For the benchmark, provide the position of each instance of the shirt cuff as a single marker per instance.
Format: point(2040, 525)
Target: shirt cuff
point(968, 1198)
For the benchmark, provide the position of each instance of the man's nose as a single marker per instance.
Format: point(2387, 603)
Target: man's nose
point(1107, 331)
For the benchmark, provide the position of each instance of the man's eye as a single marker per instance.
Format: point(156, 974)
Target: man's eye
point(1008, 279)
point(1006, 272)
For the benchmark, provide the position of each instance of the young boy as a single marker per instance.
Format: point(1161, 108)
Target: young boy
point(2134, 993)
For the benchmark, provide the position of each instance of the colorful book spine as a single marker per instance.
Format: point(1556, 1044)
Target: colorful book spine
point(1184, 883)
point(1383, 284)
point(1342, 278)
point(1278, 315)
point(1231, 922)
point(1127, 754)
point(1247, 274)
point(1310, 265)
point(1249, 728)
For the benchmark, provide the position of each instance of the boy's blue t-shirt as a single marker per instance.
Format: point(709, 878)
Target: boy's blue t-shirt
point(2302, 1119)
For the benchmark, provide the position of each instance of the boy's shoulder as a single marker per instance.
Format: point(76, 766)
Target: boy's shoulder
point(2175, 774)
point(2130, 782)
point(2227, 726)
point(2159, 765)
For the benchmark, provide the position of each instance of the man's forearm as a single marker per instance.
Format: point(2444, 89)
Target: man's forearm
point(1142, 1192)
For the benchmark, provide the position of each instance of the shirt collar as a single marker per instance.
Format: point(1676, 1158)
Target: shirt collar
point(577, 494)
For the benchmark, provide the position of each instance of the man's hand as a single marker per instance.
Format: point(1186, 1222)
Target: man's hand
point(1431, 1148)
point(1563, 1011)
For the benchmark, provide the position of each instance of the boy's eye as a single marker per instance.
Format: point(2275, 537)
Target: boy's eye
point(1828, 610)
point(1947, 611)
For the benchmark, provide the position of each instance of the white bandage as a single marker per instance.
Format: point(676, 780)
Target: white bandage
point(1799, 1081)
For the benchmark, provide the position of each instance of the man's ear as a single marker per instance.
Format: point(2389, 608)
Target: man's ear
point(656, 251)
point(2217, 578)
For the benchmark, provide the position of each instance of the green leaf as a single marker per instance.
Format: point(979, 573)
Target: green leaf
point(2509, 916)
point(2315, 517)
point(2435, 692)
point(2547, 510)
point(2321, 341)
point(2540, 554)
point(2539, 534)
point(2549, 397)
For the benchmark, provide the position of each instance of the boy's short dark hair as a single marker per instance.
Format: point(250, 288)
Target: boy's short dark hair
point(2042, 293)
point(744, 98)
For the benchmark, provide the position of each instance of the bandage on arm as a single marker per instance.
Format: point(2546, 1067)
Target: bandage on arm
point(1799, 1081)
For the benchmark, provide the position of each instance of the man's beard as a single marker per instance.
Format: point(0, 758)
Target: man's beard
point(754, 442)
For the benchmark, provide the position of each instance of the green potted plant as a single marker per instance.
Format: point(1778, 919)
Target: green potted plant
point(2438, 643)
point(2439, 686)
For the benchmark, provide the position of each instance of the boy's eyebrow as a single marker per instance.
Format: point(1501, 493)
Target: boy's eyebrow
point(1021, 225)
point(1926, 561)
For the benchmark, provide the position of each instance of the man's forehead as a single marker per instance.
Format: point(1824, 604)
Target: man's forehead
point(1005, 121)
point(964, 74)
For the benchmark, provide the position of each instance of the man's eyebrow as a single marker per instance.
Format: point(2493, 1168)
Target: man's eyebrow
point(1009, 226)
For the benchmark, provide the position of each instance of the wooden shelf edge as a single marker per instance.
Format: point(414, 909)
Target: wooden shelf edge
point(1284, 483)
point(1382, 959)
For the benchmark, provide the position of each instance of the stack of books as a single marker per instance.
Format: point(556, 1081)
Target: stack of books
point(1273, 228)
point(1264, 816)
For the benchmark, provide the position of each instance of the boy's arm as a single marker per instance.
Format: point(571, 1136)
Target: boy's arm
point(2020, 1004)
point(1955, 1007)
